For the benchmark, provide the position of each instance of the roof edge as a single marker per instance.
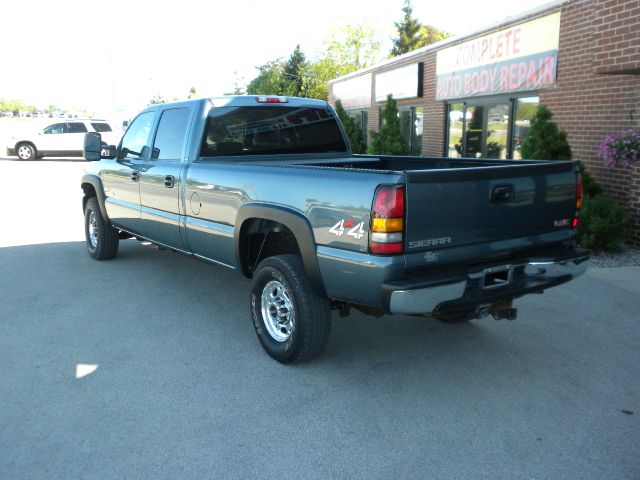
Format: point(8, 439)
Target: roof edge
point(552, 5)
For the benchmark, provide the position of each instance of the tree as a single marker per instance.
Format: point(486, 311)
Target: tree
point(269, 80)
point(293, 74)
point(412, 34)
point(389, 141)
point(346, 49)
point(192, 93)
point(545, 140)
point(354, 133)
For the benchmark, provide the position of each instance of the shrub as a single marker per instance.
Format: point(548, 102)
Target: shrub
point(620, 148)
point(545, 140)
point(604, 225)
point(389, 141)
point(354, 134)
point(590, 187)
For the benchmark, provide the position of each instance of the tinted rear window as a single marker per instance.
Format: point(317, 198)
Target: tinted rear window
point(271, 130)
point(76, 128)
point(101, 127)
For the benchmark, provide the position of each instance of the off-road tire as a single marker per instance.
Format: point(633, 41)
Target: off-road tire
point(102, 239)
point(282, 279)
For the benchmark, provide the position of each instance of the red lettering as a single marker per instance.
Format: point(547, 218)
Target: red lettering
point(507, 37)
point(492, 78)
point(485, 47)
point(513, 76)
point(549, 79)
point(499, 46)
point(504, 79)
point(516, 40)
point(467, 84)
point(522, 73)
point(531, 75)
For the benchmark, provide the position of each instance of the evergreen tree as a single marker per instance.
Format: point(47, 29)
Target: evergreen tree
point(293, 74)
point(389, 141)
point(412, 34)
point(354, 133)
point(545, 140)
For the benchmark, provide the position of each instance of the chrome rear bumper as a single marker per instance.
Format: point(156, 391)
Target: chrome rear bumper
point(485, 285)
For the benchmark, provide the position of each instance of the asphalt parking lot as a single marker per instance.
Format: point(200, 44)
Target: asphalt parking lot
point(147, 366)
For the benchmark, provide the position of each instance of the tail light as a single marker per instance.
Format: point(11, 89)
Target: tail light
point(576, 217)
point(387, 221)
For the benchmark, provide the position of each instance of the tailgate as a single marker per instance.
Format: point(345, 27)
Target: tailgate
point(463, 206)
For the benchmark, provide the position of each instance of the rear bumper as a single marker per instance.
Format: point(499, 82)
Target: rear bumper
point(455, 290)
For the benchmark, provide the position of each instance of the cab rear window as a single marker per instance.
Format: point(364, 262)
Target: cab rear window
point(264, 130)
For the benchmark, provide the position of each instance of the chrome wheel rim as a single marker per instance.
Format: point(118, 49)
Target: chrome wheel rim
point(24, 152)
point(93, 230)
point(278, 313)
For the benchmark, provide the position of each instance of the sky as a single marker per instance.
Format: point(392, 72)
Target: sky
point(116, 55)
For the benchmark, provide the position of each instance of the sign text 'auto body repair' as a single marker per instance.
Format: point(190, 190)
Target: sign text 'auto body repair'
point(521, 58)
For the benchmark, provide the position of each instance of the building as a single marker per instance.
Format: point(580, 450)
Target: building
point(474, 95)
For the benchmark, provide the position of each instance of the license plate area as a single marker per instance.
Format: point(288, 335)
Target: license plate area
point(497, 277)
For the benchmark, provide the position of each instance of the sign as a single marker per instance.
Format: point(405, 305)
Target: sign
point(404, 82)
point(354, 92)
point(521, 58)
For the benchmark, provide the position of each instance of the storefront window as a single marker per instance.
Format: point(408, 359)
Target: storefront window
point(473, 131)
point(405, 124)
point(525, 111)
point(361, 117)
point(497, 130)
point(486, 129)
point(418, 122)
point(411, 125)
point(456, 114)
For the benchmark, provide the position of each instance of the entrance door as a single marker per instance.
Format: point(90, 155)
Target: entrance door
point(486, 130)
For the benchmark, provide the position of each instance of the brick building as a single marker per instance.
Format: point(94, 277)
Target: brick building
point(474, 95)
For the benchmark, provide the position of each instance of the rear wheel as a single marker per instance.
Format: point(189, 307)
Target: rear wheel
point(26, 151)
point(102, 238)
point(291, 320)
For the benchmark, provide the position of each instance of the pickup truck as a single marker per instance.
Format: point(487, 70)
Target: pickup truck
point(268, 186)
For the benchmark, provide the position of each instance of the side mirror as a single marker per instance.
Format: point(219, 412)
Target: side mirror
point(92, 146)
point(108, 151)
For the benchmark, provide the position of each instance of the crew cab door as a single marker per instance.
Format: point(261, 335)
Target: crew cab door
point(121, 177)
point(160, 182)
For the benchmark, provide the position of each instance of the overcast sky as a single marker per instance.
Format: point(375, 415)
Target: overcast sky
point(122, 53)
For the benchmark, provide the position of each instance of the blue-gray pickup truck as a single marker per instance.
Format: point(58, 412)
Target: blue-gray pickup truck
point(268, 186)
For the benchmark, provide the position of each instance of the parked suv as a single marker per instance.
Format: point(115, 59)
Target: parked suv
point(61, 139)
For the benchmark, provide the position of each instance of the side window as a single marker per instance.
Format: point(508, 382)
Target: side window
point(137, 135)
point(76, 127)
point(55, 129)
point(171, 134)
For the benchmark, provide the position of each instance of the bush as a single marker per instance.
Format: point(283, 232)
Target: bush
point(389, 141)
point(545, 140)
point(354, 134)
point(604, 225)
point(590, 187)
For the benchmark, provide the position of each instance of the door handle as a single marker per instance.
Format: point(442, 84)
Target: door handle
point(169, 181)
point(502, 194)
point(135, 175)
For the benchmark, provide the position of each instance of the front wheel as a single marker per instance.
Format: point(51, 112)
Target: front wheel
point(291, 320)
point(26, 151)
point(102, 238)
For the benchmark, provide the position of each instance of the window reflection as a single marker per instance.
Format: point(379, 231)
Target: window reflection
point(456, 114)
point(525, 111)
